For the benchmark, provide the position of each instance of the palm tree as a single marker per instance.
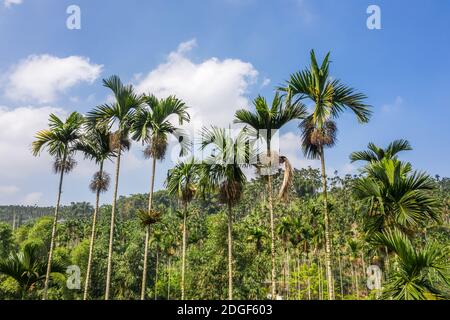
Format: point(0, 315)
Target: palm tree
point(330, 98)
point(182, 182)
point(223, 172)
point(267, 121)
point(28, 267)
point(95, 145)
point(151, 125)
point(257, 235)
point(119, 113)
point(149, 218)
point(412, 278)
point(397, 198)
point(376, 153)
point(59, 140)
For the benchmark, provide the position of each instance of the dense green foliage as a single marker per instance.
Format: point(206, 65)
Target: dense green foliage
point(300, 266)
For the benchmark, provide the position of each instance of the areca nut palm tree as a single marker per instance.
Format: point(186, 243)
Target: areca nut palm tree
point(222, 172)
point(59, 140)
point(267, 121)
point(412, 278)
point(330, 98)
point(152, 125)
point(27, 267)
point(118, 113)
point(95, 145)
point(182, 182)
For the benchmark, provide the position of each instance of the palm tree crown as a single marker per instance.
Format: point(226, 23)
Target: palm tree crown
point(376, 153)
point(152, 125)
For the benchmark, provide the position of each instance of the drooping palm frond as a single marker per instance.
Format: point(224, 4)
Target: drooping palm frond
point(182, 180)
point(331, 97)
point(268, 119)
point(60, 137)
point(396, 198)
point(288, 176)
point(65, 165)
point(314, 138)
point(100, 182)
point(152, 124)
point(376, 153)
point(411, 279)
point(148, 218)
point(28, 266)
point(120, 111)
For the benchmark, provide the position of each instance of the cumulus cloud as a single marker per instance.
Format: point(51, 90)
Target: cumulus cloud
point(40, 78)
point(213, 88)
point(9, 3)
point(17, 129)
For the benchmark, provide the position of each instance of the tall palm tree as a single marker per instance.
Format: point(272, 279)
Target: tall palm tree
point(27, 267)
point(149, 218)
point(267, 121)
point(330, 98)
point(222, 172)
point(152, 126)
point(412, 278)
point(59, 140)
point(376, 153)
point(120, 114)
point(95, 145)
point(182, 182)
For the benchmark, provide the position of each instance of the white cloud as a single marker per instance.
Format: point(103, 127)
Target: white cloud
point(9, 3)
point(32, 198)
point(213, 88)
point(40, 78)
point(17, 129)
point(8, 190)
point(394, 106)
point(265, 82)
point(305, 11)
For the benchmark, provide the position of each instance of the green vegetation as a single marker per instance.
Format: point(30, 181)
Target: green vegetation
point(214, 233)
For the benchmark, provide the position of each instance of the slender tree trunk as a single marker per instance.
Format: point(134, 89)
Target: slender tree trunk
point(14, 222)
point(147, 231)
point(183, 262)
point(288, 274)
point(111, 229)
point(356, 283)
point(55, 223)
point(327, 229)
point(272, 237)
point(156, 274)
point(230, 252)
point(168, 280)
point(320, 279)
point(91, 244)
point(340, 277)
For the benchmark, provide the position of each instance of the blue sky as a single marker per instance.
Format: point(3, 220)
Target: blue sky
point(218, 55)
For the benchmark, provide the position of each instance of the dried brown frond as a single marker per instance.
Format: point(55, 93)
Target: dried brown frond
point(156, 148)
point(66, 166)
point(100, 182)
point(324, 136)
point(116, 141)
point(283, 194)
point(230, 193)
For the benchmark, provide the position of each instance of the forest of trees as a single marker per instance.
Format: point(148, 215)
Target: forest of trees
point(214, 233)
